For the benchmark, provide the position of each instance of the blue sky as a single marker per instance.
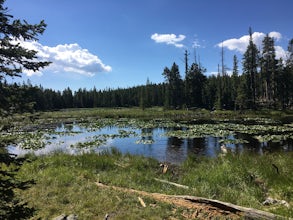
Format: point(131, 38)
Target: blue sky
point(122, 43)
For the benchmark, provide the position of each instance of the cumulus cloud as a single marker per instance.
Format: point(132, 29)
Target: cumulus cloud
point(170, 39)
point(67, 58)
point(240, 44)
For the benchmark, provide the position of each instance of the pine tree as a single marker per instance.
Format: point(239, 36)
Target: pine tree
point(194, 86)
point(219, 91)
point(241, 99)
point(287, 81)
point(235, 80)
point(268, 64)
point(250, 64)
point(13, 60)
point(174, 87)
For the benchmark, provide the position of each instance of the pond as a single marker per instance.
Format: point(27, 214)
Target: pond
point(163, 140)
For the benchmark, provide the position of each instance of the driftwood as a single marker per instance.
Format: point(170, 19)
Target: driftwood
point(214, 207)
point(172, 183)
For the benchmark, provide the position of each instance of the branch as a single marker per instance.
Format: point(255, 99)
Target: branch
point(172, 183)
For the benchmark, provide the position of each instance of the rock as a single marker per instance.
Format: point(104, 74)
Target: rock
point(272, 201)
point(107, 217)
point(60, 217)
point(72, 217)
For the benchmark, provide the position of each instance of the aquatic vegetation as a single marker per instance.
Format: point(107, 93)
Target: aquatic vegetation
point(145, 141)
point(233, 141)
point(93, 132)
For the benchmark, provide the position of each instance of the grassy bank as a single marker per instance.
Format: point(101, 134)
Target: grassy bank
point(150, 113)
point(66, 184)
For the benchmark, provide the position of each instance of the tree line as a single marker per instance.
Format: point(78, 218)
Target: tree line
point(265, 82)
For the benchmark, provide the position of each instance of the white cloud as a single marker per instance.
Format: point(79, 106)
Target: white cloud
point(276, 35)
point(170, 39)
point(240, 44)
point(67, 58)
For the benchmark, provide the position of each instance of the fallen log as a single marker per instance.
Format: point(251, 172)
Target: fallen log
point(247, 212)
point(200, 203)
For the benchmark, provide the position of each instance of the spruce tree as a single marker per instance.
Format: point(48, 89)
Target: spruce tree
point(288, 78)
point(174, 87)
point(250, 64)
point(194, 86)
point(268, 64)
point(235, 80)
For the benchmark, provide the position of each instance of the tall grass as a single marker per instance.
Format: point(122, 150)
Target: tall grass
point(245, 179)
point(158, 112)
point(65, 183)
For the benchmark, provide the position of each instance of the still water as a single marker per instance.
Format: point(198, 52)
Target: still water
point(149, 142)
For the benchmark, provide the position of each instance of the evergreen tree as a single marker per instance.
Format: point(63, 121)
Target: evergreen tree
point(142, 100)
point(219, 91)
point(14, 59)
point(194, 86)
point(250, 64)
point(287, 79)
point(173, 87)
point(67, 98)
point(241, 99)
point(268, 64)
point(210, 92)
point(235, 80)
point(282, 87)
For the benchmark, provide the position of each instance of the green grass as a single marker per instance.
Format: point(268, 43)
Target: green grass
point(66, 183)
point(151, 113)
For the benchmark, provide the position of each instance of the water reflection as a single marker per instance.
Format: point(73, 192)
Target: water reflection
point(150, 142)
point(175, 150)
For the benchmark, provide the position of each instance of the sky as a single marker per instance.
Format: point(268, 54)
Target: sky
point(123, 43)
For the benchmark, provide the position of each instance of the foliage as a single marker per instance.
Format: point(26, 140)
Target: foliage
point(13, 60)
point(194, 86)
point(12, 207)
point(174, 86)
